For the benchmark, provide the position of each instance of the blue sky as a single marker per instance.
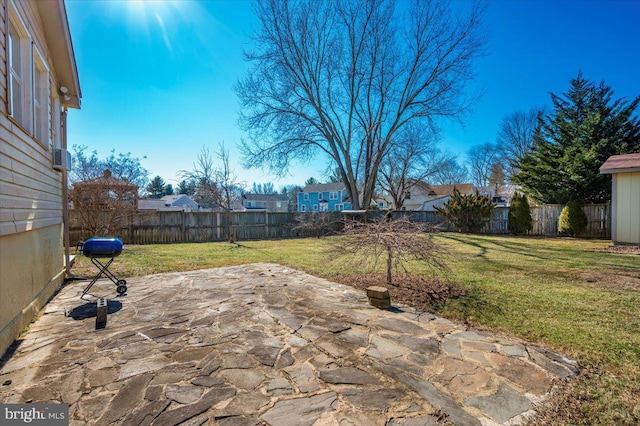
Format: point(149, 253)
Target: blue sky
point(157, 76)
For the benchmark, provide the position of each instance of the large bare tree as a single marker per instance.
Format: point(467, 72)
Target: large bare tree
point(344, 77)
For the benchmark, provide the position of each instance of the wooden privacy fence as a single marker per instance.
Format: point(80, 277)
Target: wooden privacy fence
point(194, 227)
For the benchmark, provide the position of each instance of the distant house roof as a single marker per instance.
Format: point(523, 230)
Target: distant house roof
point(169, 203)
point(265, 197)
point(179, 200)
point(324, 187)
point(439, 190)
point(621, 164)
point(150, 204)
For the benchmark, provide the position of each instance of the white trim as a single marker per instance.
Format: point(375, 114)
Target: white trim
point(333, 195)
point(20, 75)
point(56, 126)
point(303, 208)
point(305, 196)
point(41, 111)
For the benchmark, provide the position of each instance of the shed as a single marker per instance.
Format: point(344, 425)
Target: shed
point(625, 197)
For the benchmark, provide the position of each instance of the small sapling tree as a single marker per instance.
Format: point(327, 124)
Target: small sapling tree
point(393, 242)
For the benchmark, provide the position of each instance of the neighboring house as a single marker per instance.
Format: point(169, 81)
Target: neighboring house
point(381, 203)
point(500, 195)
point(169, 203)
point(625, 197)
point(38, 82)
point(324, 197)
point(423, 196)
point(269, 202)
point(439, 195)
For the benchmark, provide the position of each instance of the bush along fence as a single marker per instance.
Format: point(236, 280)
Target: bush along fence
point(194, 227)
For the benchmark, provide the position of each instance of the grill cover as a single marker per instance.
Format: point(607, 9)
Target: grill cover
point(102, 247)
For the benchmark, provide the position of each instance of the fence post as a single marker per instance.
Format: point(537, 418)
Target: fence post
point(184, 226)
point(218, 226)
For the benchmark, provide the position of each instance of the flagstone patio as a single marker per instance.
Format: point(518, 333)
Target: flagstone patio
point(264, 344)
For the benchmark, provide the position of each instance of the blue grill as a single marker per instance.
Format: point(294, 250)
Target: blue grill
point(111, 248)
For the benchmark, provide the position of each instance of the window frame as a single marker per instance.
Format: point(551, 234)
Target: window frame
point(56, 120)
point(19, 106)
point(40, 95)
point(333, 195)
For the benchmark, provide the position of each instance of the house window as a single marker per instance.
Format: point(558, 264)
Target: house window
point(315, 207)
point(20, 71)
point(339, 207)
point(40, 98)
point(303, 208)
point(407, 195)
point(333, 195)
point(305, 197)
point(250, 204)
point(380, 204)
point(320, 196)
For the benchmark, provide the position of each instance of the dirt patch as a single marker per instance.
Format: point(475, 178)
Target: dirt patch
point(620, 249)
point(618, 279)
point(408, 289)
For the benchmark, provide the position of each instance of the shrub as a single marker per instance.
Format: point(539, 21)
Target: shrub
point(573, 220)
point(468, 213)
point(520, 220)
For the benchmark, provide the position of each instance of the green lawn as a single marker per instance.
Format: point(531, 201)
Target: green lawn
point(565, 294)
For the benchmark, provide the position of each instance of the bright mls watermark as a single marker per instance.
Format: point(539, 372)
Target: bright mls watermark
point(34, 414)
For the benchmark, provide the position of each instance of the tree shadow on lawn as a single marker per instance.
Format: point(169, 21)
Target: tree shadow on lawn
point(547, 253)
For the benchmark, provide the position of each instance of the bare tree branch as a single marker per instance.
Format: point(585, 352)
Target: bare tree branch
point(344, 78)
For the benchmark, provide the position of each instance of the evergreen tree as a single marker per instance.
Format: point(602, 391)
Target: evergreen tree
point(186, 187)
point(468, 213)
point(585, 128)
point(168, 189)
point(520, 220)
point(573, 220)
point(156, 188)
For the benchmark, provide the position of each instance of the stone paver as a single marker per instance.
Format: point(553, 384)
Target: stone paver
point(263, 344)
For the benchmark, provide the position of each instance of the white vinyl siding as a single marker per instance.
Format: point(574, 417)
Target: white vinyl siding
point(30, 190)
